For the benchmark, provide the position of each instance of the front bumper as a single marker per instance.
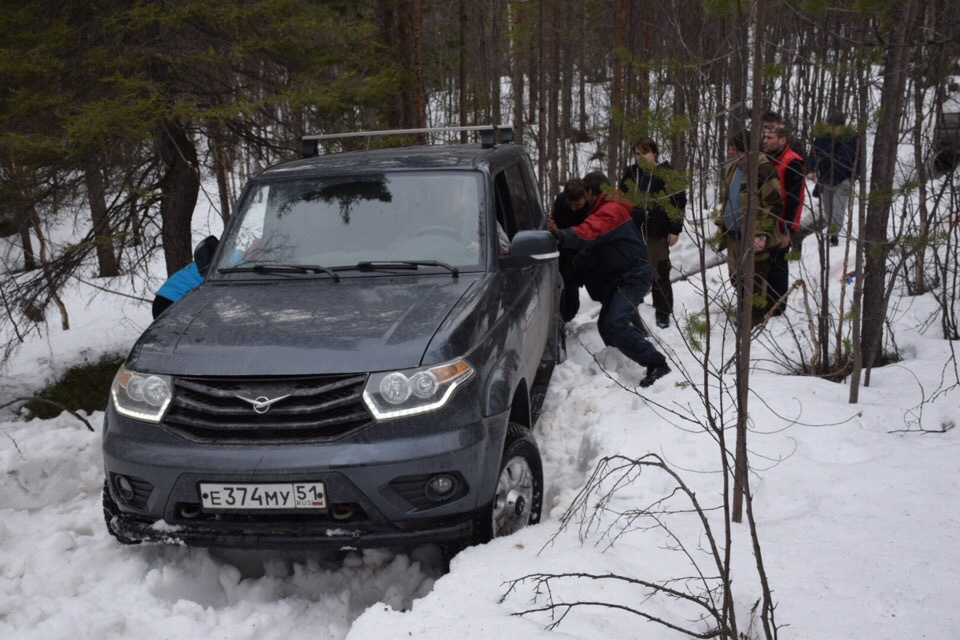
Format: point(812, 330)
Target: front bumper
point(371, 480)
point(136, 529)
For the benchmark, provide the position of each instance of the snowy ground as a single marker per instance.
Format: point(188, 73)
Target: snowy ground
point(858, 521)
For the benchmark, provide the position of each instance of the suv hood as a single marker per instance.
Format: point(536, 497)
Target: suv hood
point(300, 326)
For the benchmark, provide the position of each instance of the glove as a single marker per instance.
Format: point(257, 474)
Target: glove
point(558, 237)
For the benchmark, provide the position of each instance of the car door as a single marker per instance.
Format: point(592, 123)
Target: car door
point(522, 284)
point(549, 282)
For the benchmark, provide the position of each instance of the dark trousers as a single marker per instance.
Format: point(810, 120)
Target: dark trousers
point(570, 302)
point(659, 251)
point(160, 305)
point(761, 274)
point(619, 322)
point(778, 278)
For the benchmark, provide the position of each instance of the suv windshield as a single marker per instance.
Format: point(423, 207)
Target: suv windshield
point(338, 221)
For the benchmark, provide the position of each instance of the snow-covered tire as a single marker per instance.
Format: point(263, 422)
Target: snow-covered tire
point(111, 510)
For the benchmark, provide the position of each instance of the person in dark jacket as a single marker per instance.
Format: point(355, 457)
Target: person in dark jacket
point(611, 261)
point(789, 166)
point(569, 209)
point(659, 216)
point(836, 163)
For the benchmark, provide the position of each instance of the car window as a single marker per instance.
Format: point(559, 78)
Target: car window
point(343, 220)
point(504, 207)
point(537, 216)
point(519, 198)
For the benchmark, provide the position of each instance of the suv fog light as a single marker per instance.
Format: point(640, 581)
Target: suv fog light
point(124, 487)
point(441, 486)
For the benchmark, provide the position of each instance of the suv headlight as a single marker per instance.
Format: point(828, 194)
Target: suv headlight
point(140, 395)
point(392, 394)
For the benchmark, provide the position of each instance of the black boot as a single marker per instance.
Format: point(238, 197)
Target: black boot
point(654, 374)
point(663, 320)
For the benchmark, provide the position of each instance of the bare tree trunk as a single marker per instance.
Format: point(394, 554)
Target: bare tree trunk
point(534, 69)
point(857, 303)
point(220, 171)
point(919, 93)
point(581, 72)
point(406, 47)
point(566, 111)
point(179, 188)
point(643, 75)
point(47, 273)
point(738, 71)
point(746, 272)
point(387, 25)
point(23, 227)
point(881, 182)
point(102, 238)
point(616, 91)
point(419, 91)
point(553, 131)
point(483, 60)
point(679, 155)
point(496, 36)
point(541, 98)
point(462, 20)
point(517, 59)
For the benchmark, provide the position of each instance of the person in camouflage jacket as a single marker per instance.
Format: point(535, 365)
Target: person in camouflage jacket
point(730, 223)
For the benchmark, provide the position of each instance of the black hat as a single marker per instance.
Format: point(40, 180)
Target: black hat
point(740, 140)
point(836, 119)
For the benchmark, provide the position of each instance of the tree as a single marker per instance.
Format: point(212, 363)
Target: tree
point(901, 17)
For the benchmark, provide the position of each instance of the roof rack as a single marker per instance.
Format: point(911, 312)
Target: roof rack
point(309, 145)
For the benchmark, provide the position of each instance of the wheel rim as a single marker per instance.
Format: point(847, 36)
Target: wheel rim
point(514, 499)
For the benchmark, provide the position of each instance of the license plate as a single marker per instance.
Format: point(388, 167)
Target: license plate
point(295, 495)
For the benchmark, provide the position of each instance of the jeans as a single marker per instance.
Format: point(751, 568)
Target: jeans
point(618, 321)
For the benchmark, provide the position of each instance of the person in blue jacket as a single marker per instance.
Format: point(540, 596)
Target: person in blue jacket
point(182, 281)
point(186, 279)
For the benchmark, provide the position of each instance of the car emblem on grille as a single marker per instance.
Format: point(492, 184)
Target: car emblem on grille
point(263, 403)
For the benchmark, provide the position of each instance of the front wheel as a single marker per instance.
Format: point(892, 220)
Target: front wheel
point(110, 511)
point(519, 494)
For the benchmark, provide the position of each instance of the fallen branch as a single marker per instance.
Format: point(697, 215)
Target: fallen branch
point(53, 403)
point(946, 426)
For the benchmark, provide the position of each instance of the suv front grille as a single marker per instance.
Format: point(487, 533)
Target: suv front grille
point(223, 409)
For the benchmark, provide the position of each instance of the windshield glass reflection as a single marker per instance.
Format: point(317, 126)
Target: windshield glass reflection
point(343, 220)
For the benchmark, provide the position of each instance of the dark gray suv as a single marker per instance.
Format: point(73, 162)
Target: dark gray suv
point(363, 366)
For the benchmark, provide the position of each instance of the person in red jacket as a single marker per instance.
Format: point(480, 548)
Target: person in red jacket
point(611, 262)
point(789, 166)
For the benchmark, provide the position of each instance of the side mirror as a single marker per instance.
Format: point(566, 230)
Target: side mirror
point(203, 253)
point(531, 247)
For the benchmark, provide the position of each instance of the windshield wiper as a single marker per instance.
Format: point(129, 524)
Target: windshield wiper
point(282, 268)
point(405, 264)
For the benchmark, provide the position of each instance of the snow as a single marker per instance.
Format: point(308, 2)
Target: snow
point(856, 508)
